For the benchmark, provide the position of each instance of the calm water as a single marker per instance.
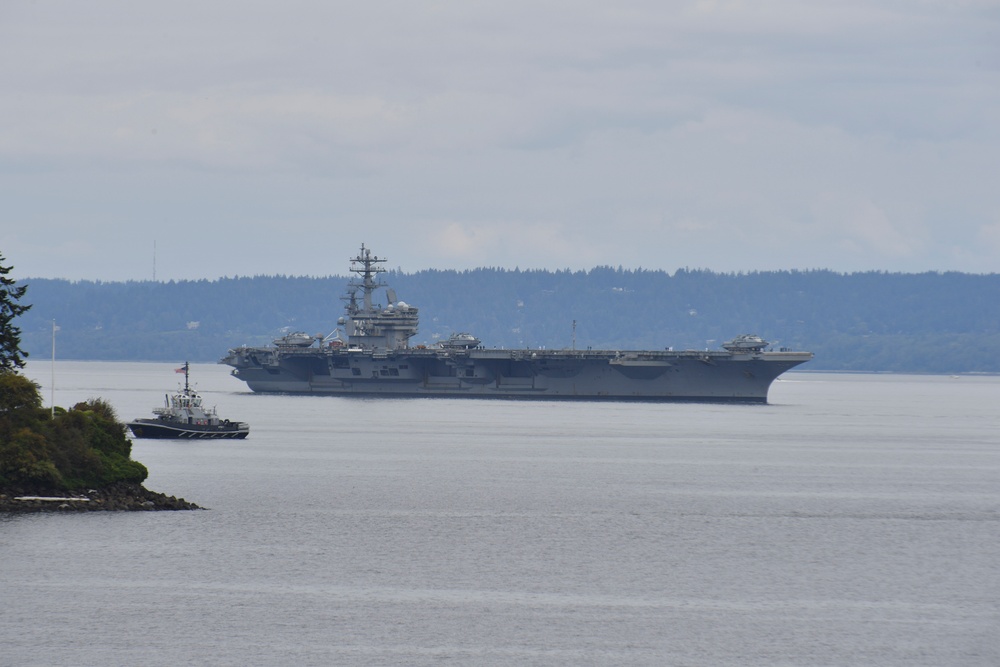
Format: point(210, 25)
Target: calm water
point(853, 521)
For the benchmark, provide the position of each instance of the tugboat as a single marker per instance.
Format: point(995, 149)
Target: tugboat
point(184, 417)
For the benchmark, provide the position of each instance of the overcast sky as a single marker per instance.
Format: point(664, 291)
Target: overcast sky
point(263, 138)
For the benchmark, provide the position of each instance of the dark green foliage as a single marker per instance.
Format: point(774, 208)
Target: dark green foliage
point(104, 432)
point(18, 395)
point(11, 355)
point(53, 449)
point(83, 447)
point(25, 461)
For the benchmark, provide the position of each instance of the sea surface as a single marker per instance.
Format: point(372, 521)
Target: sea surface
point(854, 520)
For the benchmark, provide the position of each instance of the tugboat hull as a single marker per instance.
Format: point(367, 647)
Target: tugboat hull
point(160, 431)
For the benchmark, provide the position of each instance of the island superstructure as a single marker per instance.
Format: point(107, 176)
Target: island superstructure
point(376, 359)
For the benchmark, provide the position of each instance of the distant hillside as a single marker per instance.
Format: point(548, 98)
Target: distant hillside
point(928, 322)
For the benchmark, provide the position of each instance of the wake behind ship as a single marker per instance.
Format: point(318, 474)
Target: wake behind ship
point(376, 359)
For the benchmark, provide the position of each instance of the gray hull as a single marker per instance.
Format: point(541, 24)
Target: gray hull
point(377, 360)
point(538, 374)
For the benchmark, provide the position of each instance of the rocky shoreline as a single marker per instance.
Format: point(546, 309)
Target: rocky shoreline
point(119, 497)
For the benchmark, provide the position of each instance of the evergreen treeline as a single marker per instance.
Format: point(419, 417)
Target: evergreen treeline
point(56, 451)
point(872, 321)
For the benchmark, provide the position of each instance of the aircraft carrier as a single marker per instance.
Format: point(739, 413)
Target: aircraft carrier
point(375, 358)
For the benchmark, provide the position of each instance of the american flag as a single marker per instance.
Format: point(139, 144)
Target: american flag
point(178, 370)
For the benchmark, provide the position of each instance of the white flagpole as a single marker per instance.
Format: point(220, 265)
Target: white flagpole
point(53, 387)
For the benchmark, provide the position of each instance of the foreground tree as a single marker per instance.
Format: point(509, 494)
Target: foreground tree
point(83, 447)
point(84, 450)
point(11, 355)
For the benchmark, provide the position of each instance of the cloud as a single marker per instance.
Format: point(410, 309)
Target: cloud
point(536, 244)
point(728, 135)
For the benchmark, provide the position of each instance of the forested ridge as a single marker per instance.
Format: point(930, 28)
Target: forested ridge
point(871, 321)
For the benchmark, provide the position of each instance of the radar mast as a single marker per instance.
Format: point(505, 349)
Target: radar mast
point(368, 270)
